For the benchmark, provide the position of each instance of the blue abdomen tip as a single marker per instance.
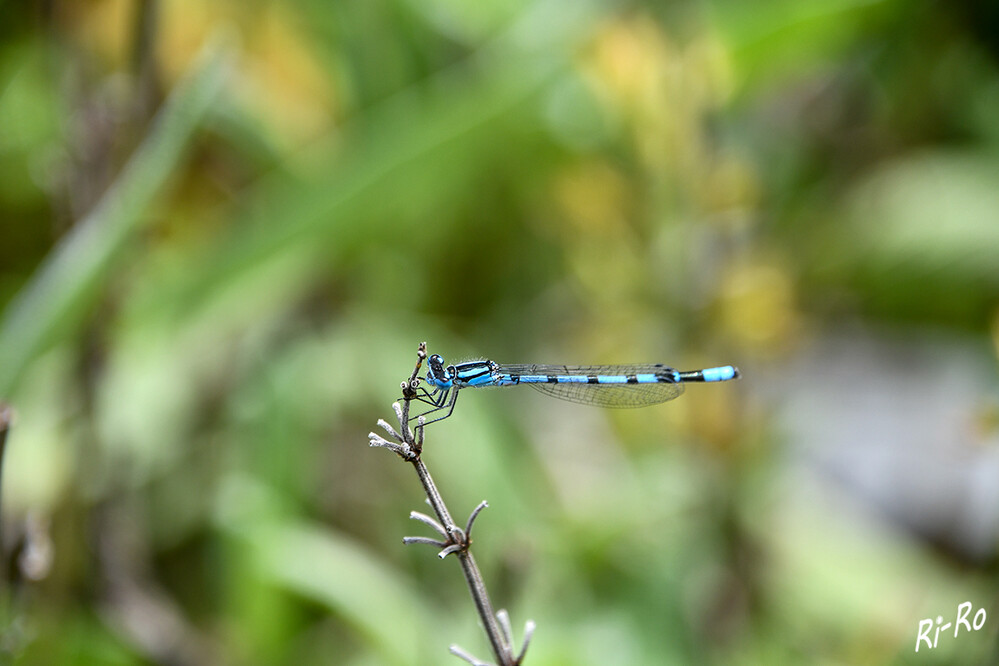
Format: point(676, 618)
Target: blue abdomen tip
point(720, 374)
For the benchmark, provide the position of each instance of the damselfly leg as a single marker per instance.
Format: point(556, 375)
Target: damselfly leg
point(439, 400)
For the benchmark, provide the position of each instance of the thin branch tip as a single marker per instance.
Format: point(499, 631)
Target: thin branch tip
point(424, 518)
point(529, 628)
point(475, 514)
point(437, 543)
point(504, 622)
point(467, 656)
point(387, 427)
point(374, 439)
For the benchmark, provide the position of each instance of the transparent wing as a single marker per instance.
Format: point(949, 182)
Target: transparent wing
point(601, 395)
point(612, 395)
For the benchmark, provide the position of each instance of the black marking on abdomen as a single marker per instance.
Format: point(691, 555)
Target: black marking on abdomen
point(592, 379)
point(552, 379)
point(632, 379)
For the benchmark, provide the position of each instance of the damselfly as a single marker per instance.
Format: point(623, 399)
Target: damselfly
point(602, 385)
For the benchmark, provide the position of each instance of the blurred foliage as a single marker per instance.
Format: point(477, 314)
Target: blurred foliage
point(227, 225)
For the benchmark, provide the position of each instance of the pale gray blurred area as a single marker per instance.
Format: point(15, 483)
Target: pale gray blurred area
point(902, 425)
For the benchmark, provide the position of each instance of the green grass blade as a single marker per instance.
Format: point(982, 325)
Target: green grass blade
point(347, 579)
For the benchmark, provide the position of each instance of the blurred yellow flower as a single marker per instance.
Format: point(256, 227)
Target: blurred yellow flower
point(594, 197)
point(629, 57)
point(279, 76)
point(758, 307)
point(661, 88)
point(102, 28)
point(729, 192)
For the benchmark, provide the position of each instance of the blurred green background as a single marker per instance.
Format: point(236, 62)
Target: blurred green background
point(226, 226)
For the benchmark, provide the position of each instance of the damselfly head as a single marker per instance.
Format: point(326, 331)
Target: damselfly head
point(436, 364)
